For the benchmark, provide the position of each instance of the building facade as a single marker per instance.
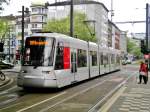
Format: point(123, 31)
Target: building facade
point(96, 12)
point(106, 32)
point(117, 39)
point(38, 17)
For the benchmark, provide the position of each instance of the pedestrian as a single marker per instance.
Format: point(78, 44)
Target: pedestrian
point(143, 73)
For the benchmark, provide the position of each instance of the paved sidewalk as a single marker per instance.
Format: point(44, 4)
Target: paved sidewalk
point(132, 97)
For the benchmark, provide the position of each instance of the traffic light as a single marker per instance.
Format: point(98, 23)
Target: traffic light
point(143, 47)
point(1, 47)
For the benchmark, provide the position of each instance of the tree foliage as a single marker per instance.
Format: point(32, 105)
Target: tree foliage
point(4, 27)
point(2, 2)
point(133, 48)
point(63, 26)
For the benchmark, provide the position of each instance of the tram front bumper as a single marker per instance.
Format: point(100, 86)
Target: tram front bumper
point(36, 81)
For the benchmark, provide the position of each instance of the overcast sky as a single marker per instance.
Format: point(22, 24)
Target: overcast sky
point(124, 10)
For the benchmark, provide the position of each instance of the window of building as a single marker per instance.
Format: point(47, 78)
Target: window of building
point(26, 26)
point(34, 10)
point(26, 33)
point(82, 58)
point(12, 51)
point(8, 43)
point(19, 42)
point(19, 26)
point(34, 25)
point(94, 58)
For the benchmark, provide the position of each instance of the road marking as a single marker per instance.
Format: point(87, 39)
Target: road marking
point(11, 80)
point(83, 91)
point(9, 107)
point(6, 91)
point(40, 102)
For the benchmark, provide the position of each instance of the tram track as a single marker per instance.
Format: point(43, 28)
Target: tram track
point(59, 99)
point(48, 108)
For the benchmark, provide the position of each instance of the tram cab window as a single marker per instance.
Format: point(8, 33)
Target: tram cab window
point(59, 58)
point(82, 58)
point(39, 51)
point(94, 58)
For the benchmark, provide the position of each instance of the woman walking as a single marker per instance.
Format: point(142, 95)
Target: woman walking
point(143, 73)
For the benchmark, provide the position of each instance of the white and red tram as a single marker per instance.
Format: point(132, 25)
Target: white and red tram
point(55, 60)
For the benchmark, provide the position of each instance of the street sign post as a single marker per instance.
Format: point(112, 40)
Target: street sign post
point(148, 29)
point(148, 26)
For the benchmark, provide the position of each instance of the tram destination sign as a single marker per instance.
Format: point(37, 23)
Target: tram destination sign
point(148, 26)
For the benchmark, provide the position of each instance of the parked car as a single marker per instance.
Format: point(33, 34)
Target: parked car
point(5, 65)
point(128, 61)
point(124, 62)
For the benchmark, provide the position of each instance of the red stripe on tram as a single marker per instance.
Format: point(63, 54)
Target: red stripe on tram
point(66, 58)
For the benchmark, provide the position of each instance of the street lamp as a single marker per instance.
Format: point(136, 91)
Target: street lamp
point(22, 44)
point(71, 2)
point(10, 28)
point(71, 18)
point(86, 22)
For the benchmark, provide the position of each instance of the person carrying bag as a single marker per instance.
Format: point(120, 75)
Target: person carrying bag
point(143, 73)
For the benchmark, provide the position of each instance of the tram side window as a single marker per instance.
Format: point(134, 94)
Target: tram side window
point(102, 62)
point(106, 59)
point(117, 59)
point(94, 58)
point(112, 58)
point(82, 58)
point(59, 58)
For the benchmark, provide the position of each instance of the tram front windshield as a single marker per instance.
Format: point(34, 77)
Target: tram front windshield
point(39, 51)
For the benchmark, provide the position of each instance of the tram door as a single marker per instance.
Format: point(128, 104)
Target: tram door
point(74, 63)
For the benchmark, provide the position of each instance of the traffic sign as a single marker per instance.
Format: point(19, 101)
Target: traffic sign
point(146, 56)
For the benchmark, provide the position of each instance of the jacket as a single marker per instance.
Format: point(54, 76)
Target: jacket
point(143, 68)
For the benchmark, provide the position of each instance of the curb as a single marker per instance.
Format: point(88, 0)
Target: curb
point(12, 71)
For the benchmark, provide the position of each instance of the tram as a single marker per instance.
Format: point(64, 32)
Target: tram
point(53, 60)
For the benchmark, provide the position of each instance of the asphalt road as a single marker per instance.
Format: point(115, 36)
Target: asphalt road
point(80, 97)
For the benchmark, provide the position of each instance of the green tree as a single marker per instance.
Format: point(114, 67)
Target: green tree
point(63, 26)
point(133, 48)
point(2, 2)
point(4, 27)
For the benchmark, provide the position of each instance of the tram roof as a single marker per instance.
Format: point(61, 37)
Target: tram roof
point(57, 36)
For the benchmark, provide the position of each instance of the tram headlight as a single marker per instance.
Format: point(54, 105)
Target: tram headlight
point(23, 71)
point(46, 72)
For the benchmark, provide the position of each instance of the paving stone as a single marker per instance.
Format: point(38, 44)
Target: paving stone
point(125, 105)
point(136, 98)
point(124, 109)
point(144, 111)
point(144, 107)
point(134, 108)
